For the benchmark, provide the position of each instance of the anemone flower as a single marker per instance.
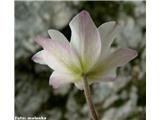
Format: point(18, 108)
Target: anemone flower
point(87, 58)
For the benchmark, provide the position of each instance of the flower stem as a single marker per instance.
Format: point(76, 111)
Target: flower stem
point(89, 99)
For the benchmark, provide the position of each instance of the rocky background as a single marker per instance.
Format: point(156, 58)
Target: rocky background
point(124, 99)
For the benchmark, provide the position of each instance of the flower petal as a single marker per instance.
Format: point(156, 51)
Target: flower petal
point(58, 79)
point(58, 53)
point(106, 76)
point(85, 39)
point(39, 57)
point(79, 84)
point(120, 57)
point(56, 35)
point(45, 58)
point(108, 32)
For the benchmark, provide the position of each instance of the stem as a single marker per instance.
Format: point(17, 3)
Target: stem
point(89, 99)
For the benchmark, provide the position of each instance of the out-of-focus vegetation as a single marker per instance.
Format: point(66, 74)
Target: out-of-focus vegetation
point(123, 99)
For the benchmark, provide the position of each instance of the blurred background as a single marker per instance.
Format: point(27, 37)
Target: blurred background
point(124, 99)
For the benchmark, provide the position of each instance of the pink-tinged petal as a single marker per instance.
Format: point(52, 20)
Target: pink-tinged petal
point(51, 45)
point(45, 58)
point(39, 57)
point(85, 39)
point(58, 79)
point(120, 57)
point(108, 32)
point(58, 54)
point(116, 59)
point(56, 35)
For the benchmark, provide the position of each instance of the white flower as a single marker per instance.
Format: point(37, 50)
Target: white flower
point(88, 52)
